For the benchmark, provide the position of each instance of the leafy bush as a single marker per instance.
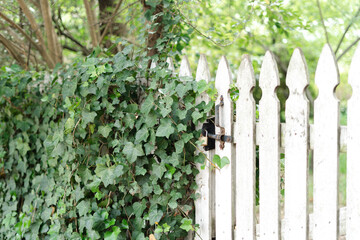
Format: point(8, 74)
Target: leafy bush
point(94, 154)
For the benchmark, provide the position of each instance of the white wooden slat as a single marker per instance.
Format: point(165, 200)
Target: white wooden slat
point(342, 226)
point(269, 150)
point(326, 148)
point(205, 178)
point(185, 70)
point(223, 177)
point(296, 149)
point(246, 153)
point(353, 152)
point(343, 136)
point(170, 63)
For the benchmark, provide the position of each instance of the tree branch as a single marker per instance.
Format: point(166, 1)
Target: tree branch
point(12, 50)
point(110, 21)
point(68, 35)
point(346, 30)
point(322, 22)
point(347, 49)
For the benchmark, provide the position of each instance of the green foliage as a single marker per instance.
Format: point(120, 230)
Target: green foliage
point(95, 155)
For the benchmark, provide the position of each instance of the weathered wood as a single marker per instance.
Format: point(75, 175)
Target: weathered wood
point(205, 178)
point(343, 136)
point(353, 152)
point(326, 148)
point(342, 226)
point(185, 70)
point(170, 63)
point(296, 149)
point(246, 153)
point(223, 177)
point(269, 150)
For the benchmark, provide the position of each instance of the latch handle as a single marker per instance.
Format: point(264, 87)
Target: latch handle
point(217, 110)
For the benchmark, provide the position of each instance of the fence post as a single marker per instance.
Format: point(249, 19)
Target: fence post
point(204, 179)
point(296, 149)
point(269, 150)
point(245, 153)
point(223, 177)
point(353, 152)
point(326, 148)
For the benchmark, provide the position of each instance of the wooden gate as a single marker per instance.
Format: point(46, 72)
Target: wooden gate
point(227, 208)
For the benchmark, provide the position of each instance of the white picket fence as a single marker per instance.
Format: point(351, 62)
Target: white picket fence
point(226, 209)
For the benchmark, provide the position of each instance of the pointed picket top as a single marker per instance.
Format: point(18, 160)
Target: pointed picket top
point(153, 64)
point(326, 148)
point(203, 72)
point(297, 77)
point(246, 161)
point(245, 78)
point(185, 70)
point(296, 149)
point(353, 152)
point(223, 178)
point(269, 75)
point(327, 74)
point(269, 150)
point(223, 76)
point(171, 66)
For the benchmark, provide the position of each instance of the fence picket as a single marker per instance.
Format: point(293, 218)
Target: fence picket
point(326, 148)
point(269, 150)
point(223, 177)
point(296, 149)
point(184, 70)
point(170, 63)
point(246, 153)
point(205, 178)
point(353, 152)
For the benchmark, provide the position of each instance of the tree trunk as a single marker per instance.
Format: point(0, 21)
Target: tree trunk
point(92, 24)
point(49, 61)
point(156, 32)
point(52, 39)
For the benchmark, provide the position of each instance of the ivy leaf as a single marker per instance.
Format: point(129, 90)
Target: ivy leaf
point(139, 208)
point(155, 216)
point(181, 90)
point(165, 129)
point(133, 151)
point(112, 235)
point(88, 117)
point(108, 174)
point(158, 170)
point(179, 146)
point(104, 130)
point(142, 134)
point(147, 104)
point(69, 87)
point(196, 116)
point(202, 86)
point(69, 125)
point(186, 224)
point(83, 207)
point(220, 162)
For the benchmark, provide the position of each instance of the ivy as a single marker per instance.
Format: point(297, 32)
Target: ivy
point(98, 155)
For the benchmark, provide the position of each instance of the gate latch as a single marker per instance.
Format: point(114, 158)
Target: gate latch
point(208, 135)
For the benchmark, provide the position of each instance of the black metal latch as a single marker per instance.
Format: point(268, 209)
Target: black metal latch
point(208, 135)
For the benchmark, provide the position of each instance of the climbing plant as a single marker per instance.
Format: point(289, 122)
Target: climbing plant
point(103, 148)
